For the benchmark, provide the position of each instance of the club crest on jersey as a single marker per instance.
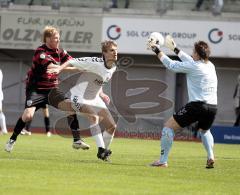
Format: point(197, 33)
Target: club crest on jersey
point(42, 56)
point(29, 102)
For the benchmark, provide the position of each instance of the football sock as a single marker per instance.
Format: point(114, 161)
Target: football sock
point(166, 143)
point(28, 124)
point(74, 126)
point(208, 142)
point(97, 135)
point(99, 140)
point(107, 138)
point(3, 122)
point(47, 123)
point(18, 128)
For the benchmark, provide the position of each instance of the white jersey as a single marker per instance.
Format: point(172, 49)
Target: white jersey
point(201, 77)
point(90, 82)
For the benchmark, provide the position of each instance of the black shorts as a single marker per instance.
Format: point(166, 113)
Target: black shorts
point(199, 112)
point(39, 99)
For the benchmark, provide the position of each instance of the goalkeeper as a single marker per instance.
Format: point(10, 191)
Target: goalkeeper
point(202, 91)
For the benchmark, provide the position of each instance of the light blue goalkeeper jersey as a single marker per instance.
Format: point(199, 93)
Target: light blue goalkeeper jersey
point(201, 77)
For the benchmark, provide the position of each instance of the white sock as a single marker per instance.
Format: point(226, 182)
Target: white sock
point(3, 123)
point(97, 135)
point(166, 143)
point(208, 142)
point(107, 138)
point(99, 140)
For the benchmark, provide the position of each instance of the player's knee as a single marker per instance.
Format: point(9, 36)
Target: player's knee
point(112, 128)
point(167, 132)
point(27, 117)
point(93, 119)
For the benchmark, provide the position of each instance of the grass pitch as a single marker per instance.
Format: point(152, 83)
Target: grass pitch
point(42, 165)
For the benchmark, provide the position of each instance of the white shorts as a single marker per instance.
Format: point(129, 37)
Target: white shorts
point(97, 103)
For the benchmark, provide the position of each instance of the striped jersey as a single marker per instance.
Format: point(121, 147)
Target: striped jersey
point(37, 78)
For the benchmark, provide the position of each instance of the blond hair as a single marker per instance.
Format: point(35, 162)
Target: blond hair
point(106, 44)
point(48, 31)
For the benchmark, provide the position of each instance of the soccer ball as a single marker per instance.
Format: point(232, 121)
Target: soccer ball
point(156, 38)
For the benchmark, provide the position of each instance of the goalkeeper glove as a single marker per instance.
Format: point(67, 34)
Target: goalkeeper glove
point(169, 43)
point(156, 50)
point(154, 47)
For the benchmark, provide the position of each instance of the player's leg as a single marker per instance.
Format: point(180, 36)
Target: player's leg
point(94, 125)
point(2, 120)
point(56, 98)
point(205, 123)
point(182, 118)
point(26, 116)
point(46, 119)
point(78, 143)
point(33, 100)
point(208, 143)
point(96, 132)
point(110, 126)
point(26, 129)
point(166, 140)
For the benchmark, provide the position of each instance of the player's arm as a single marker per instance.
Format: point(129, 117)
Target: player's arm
point(170, 64)
point(104, 97)
point(56, 69)
point(71, 69)
point(90, 64)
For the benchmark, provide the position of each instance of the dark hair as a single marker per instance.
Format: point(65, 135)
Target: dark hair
point(202, 49)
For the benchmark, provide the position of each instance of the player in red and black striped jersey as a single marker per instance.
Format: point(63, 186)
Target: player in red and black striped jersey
point(38, 78)
point(42, 87)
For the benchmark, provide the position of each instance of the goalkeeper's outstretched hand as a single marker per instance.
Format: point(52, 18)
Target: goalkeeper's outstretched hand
point(170, 43)
point(153, 46)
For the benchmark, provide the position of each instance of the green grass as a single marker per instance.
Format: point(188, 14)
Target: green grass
point(41, 165)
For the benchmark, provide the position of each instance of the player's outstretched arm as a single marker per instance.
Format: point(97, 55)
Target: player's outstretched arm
point(53, 69)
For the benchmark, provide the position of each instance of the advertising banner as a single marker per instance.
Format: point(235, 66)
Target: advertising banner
point(131, 34)
point(224, 134)
point(23, 31)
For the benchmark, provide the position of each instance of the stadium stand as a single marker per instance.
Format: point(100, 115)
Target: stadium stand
point(158, 5)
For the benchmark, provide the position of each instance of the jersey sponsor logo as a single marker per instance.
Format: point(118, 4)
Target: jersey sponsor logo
point(81, 59)
point(95, 59)
point(99, 82)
